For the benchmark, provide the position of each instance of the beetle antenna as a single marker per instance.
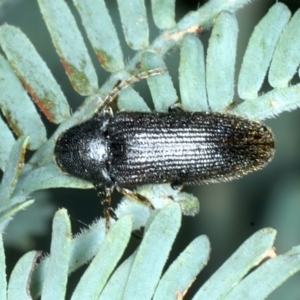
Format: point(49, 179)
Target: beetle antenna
point(126, 83)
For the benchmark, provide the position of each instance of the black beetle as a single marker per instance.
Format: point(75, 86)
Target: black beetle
point(134, 148)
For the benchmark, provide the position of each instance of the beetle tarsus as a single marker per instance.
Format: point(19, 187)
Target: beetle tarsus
point(175, 108)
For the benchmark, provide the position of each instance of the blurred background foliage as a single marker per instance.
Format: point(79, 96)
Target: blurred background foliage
point(229, 212)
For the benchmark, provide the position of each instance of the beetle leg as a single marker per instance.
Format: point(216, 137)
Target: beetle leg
point(106, 113)
point(104, 193)
point(177, 186)
point(175, 108)
point(232, 105)
point(135, 196)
